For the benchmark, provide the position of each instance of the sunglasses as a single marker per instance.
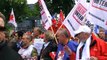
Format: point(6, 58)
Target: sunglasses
point(2, 28)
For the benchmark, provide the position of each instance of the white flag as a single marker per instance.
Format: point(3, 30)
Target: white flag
point(45, 15)
point(76, 16)
point(12, 19)
point(98, 13)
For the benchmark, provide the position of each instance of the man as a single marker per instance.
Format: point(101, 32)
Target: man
point(48, 47)
point(101, 34)
point(27, 51)
point(64, 41)
point(106, 36)
point(37, 40)
point(37, 32)
point(6, 53)
point(90, 46)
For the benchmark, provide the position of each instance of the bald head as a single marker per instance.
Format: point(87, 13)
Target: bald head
point(64, 31)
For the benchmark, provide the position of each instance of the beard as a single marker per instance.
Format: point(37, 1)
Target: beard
point(23, 44)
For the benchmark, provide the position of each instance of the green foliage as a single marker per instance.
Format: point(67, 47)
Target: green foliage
point(20, 7)
point(17, 5)
point(54, 6)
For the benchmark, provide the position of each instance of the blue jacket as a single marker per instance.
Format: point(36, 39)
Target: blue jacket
point(71, 44)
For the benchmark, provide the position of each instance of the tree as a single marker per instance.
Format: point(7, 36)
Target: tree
point(54, 6)
point(21, 9)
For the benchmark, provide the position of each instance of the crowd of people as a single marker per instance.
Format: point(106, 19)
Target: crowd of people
point(39, 45)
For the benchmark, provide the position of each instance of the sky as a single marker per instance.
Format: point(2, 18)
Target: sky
point(31, 1)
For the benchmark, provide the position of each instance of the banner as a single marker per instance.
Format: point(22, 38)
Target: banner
point(98, 13)
point(12, 19)
point(76, 17)
point(45, 15)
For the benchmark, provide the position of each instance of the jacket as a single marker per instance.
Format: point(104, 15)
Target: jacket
point(44, 54)
point(6, 53)
point(97, 49)
point(71, 44)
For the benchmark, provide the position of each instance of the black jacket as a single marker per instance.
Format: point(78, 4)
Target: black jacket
point(52, 47)
point(6, 53)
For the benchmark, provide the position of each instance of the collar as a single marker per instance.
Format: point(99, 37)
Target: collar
point(46, 44)
point(93, 41)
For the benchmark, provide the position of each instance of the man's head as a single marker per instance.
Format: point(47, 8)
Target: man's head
point(106, 35)
point(83, 32)
point(48, 36)
point(2, 34)
point(26, 40)
point(37, 31)
point(62, 36)
point(101, 33)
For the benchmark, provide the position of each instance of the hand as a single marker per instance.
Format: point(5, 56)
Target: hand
point(34, 58)
point(67, 50)
point(93, 58)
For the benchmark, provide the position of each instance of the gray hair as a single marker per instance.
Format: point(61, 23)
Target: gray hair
point(49, 35)
point(65, 32)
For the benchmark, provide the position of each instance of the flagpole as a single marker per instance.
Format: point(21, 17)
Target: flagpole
point(58, 29)
point(44, 8)
point(54, 35)
point(62, 17)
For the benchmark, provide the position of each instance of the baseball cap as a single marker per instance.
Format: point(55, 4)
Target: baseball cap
point(83, 28)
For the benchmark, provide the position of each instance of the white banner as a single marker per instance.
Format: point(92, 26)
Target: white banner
point(76, 17)
point(98, 13)
point(45, 15)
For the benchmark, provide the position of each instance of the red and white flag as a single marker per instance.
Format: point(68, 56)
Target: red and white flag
point(12, 19)
point(54, 26)
point(52, 55)
point(45, 15)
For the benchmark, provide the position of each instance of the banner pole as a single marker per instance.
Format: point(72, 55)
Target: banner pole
point(54, 35)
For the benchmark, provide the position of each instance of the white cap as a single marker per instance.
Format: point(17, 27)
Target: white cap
point(83, 28)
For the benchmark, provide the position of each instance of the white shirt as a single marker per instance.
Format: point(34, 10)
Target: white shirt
point(26, 53)
point(38, 43)
point(46, 44)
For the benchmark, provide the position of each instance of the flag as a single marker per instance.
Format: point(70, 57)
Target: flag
point(45, 15)
point(76, 1)
point(76, 17)
point(53, 26)
point(61, 19)
point(97, 13)
point(96, 29)
point(12, 19)
point(61, 16)
point(52, 55)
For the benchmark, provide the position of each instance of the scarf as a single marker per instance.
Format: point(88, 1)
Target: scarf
point(86, 50)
